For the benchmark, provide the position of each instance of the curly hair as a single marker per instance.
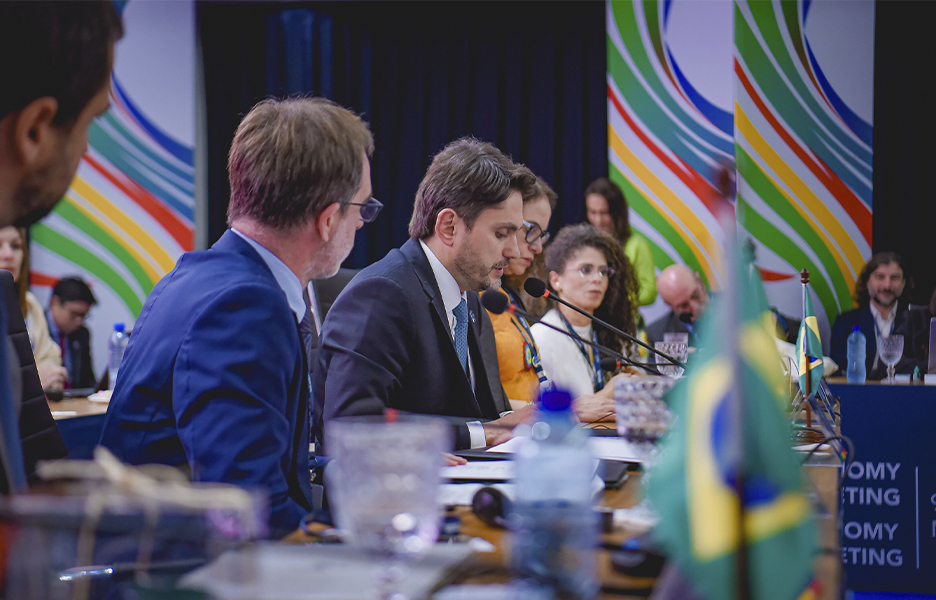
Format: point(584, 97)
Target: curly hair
point(617, 307)
point(617, 206)
point(862, 297)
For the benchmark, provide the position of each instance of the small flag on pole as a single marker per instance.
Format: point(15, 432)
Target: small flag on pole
point(809, 345)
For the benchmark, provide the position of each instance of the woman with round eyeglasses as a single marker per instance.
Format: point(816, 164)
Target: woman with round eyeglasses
point(587, 268)
point(517, 355)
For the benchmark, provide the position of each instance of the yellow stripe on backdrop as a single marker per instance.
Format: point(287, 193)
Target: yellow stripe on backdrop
point(130, 233)
point(852, 261)
point(700, 242)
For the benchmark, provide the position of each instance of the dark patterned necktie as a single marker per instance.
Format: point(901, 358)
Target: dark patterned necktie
point(308, 332)
point(461, 333)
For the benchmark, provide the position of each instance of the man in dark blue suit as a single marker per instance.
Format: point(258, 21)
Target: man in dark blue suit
point(406, 332)
point(215, 379)
point(878, 292)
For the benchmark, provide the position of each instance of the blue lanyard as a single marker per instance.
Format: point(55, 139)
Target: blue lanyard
point(592, 358)
point(532, 359)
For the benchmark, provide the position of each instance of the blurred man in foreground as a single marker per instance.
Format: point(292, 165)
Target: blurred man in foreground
point(216, 377)
point(406, 332)
point(54, 80)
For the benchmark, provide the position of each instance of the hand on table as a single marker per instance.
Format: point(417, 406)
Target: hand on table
point(450, 460)
point(52, 377)
point(608, 390)
point(500, 430)
point(593, 407)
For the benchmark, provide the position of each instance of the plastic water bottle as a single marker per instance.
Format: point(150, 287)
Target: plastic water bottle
point(856, 371)
point(553, 521)
point(115, 351)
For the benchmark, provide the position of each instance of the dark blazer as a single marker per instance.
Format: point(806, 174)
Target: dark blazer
point(326, 291)
point(386, 343)
point(78, 346)
point(39, 434)
point(864, 319)
point(665, 324)
point(215, 379)
point(916, 331)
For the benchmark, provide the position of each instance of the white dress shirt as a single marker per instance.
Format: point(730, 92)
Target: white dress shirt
point(451, 296)
point(882, 326)
point(562, 359)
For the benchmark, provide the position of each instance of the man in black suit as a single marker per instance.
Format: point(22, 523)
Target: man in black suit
point(882, 311)
point(71, 301)
point(406, 333)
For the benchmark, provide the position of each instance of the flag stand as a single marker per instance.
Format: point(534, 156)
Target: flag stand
point(804, 278)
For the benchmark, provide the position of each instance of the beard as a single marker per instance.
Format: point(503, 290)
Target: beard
point(329, 258)
point(475, 271)
point(885, 303)
point(33, 202)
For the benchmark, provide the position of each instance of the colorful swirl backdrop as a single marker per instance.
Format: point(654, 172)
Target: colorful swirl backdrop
point(782, 90)
point(129, 213)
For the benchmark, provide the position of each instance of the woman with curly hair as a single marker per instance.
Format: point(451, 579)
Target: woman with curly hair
point(587, 268)
point(606, 209)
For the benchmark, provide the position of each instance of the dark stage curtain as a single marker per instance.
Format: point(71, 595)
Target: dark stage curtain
point(528, 77)
point(904, 218)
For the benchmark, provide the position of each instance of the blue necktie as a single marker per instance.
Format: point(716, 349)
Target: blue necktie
point(461, 333)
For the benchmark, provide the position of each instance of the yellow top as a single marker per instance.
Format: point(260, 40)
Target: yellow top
point(517, 373)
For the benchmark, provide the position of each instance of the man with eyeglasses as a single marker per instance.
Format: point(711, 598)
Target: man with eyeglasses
point(683, 291)
point(407, 332)
point(215, 379)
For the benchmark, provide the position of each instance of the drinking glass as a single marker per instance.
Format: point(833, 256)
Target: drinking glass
point(678, 350)
point(673, 336)
point(890, 350)
point(383, 482)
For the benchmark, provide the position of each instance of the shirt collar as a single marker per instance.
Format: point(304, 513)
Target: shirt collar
point(284, 276)
point(882, 323)
point(53, 327)
point(448, 287)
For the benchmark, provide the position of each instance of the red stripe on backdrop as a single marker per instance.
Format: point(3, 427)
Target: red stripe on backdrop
point(768, 275)
point(42, 280)
point(156, 209)
point(689, 176)
point(855, 208)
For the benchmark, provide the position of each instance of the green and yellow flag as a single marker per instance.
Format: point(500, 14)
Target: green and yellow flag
point(731, 423)
point(809, 348)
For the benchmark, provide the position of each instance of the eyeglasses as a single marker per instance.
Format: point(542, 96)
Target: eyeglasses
point(603, 271)
point(369, 208)
point(535, 232)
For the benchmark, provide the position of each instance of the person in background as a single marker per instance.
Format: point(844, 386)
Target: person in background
point(70, 303)
point(606, 209)
point(683, 290)
point(14, 257)
point(881, 310)
point(215, 379)
point(586, 268)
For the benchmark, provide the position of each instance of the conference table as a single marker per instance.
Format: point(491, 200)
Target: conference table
point(493, 567)
point(80, 421)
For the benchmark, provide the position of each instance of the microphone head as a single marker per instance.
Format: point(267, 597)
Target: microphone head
point(686, 317)
point(535, 287)
point(609, 363)
point(494, 301)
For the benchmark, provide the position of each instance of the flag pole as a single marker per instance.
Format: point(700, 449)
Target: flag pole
point(804, 278)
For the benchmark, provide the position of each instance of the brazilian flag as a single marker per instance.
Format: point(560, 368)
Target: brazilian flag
point(731, 422)
point(809, 348)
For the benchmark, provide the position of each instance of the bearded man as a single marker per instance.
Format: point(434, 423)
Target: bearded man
point(406, 333)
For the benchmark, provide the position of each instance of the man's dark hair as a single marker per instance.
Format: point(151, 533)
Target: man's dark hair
point(57, 49)
point(862, 297)
point(73, 289)
point(467, 176)
point(617, 205)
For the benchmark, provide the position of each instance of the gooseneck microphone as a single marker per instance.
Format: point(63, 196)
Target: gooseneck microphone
point(498, 303)
point(537, 288)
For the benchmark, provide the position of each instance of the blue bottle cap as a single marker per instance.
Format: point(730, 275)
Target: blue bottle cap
point(555, 400)
point(118, 326)
point(856, 328)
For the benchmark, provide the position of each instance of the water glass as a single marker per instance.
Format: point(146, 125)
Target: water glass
point(383, 481)
point(890, 349)
point(678, 337)
point(678, 350)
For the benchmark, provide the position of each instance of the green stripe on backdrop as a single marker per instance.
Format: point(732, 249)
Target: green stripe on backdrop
point(71, 213)
point(652, 12)
point(800, 120)
point(637, 201)
point(773, 239)
point(630, 33)
point(764, 188)
point(61, 245)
